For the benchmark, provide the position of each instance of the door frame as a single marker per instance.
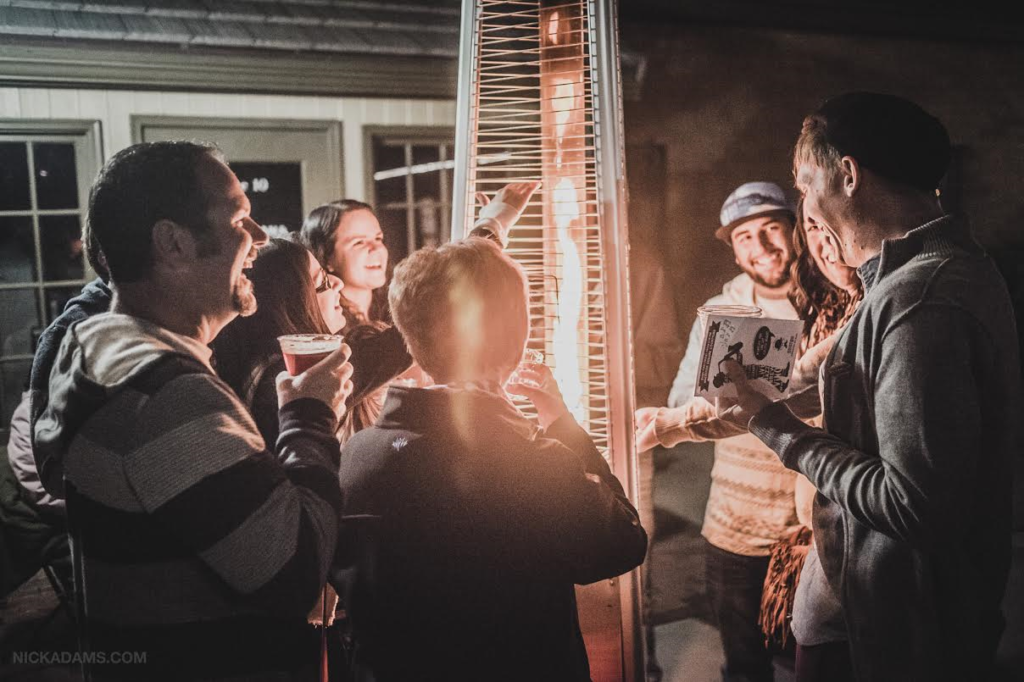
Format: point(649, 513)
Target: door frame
point(332, 129)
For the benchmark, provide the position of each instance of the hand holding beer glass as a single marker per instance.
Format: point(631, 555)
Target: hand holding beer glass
point(534, 381)
point(318, 368)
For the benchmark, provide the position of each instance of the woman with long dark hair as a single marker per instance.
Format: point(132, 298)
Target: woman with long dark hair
point(825, 295)
point(296, 296)
point(346, 237)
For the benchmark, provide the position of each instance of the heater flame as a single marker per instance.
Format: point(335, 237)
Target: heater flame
point(566, 208)
point(553, 28)
point(563, 103)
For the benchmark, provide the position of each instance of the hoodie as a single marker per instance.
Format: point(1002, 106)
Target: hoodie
point(196, 544)
point(94, 299)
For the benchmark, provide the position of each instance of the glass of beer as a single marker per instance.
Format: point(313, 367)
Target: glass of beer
point(302, 351)
point(730, 310)
point(534, 357)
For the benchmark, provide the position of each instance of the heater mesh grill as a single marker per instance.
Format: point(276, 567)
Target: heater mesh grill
point(532, 116)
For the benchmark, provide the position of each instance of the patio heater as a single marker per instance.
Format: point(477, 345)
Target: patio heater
point(539, 98)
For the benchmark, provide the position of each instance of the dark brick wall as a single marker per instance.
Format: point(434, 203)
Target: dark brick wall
point(726, 105)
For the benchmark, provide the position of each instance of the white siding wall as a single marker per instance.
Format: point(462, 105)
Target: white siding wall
point(113, 109)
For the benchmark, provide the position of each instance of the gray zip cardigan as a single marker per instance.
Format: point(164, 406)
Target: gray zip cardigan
point(921, 409)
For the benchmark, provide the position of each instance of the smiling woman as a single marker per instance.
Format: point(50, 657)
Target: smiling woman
point(345, 236)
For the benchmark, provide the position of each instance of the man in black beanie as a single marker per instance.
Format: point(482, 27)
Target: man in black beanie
point(921, 406)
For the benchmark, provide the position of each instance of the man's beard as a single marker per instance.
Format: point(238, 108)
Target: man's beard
point(775, 281)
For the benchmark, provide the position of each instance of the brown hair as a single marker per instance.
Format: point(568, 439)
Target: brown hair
point(137, 187)
point(286, 304)
point(820, 304)
point(813, 147)
point(462, 308)
point(317, 235)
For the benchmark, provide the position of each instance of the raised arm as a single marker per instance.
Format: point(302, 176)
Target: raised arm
point(596, 530)
point(499, 215)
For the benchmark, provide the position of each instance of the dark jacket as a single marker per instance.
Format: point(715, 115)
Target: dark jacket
point(485, 527)
point(93, 300)
point(922, 407)
point(197, 545)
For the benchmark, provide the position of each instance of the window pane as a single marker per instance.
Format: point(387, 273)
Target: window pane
point(13, 378)
point(56, 178)
point(390, 190)
point(393, 224)
point(61, 238)
point(426, 184)
point(57, 298)
point(17, 250)
point(14, 176)
point(428, 222)
point(19, 321)
point(275, 192)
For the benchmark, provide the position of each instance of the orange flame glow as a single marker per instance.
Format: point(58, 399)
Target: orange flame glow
point(565, 200)
point(563, 102)
point(553, 28)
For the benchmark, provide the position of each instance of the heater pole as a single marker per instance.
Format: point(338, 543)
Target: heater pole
point(462, 194)
point(613, 204)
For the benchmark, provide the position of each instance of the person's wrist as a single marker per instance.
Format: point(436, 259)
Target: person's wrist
point(550, 413)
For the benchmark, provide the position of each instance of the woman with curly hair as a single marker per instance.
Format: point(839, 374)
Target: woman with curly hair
point(825, 295)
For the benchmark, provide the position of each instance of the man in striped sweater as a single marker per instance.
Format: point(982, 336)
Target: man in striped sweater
point(199, 551)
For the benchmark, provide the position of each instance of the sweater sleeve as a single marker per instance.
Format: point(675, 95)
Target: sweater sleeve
point(600, 535)
point(928, 425)
point(266, 523)
point(686, 377)
point(693, 422)
point(264, 407)
point(377, 358)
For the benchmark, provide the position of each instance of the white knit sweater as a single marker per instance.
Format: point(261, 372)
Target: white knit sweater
point(751, 504)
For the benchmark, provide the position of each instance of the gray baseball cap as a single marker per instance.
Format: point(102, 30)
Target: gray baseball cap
point(749, 201)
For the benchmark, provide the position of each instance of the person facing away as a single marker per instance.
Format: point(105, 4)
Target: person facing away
point(921, 402)
point(751, 502)
point(347, 240)
point(486, 522)
point(195, 545)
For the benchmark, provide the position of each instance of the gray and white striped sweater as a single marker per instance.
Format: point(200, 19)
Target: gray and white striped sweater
point(199, 546)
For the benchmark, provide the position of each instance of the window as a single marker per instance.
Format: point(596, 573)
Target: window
point(44, 180)
point(411, 186)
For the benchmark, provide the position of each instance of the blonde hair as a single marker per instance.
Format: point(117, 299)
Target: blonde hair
point(462, 308)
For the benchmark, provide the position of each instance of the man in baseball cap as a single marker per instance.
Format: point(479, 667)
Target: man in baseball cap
point(757, 222)
point(751, 503)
